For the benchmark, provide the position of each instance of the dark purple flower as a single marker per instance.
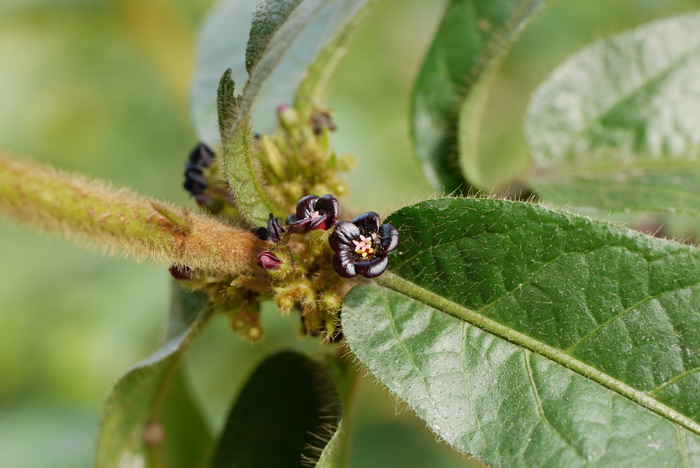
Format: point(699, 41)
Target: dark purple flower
point(269, 260)
point(273, 232)
point(361, 246)
point(313, 213)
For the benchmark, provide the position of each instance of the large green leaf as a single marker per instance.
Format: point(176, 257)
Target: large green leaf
point(616, 126)
point(150, 418)
point(283, 414)
point(530, 337)
point(453, 83)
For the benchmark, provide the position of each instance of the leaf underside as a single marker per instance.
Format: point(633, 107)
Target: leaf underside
point(470, 44)
point(569, 341)
point(616, 126)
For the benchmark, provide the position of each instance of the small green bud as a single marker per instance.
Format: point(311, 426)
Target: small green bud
point(288, 117)
point(346, 162)
point(254, 333)
point(273, 156)
point(330, 302)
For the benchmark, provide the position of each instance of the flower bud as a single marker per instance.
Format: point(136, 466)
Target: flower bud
point(269, 260)
point(288, 117)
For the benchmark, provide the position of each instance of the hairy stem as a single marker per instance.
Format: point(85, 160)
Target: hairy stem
point(120, 221)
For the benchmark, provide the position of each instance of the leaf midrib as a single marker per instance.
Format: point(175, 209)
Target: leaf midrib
point(414, 291)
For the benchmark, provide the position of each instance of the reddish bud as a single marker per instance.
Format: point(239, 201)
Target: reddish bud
point(269, 260)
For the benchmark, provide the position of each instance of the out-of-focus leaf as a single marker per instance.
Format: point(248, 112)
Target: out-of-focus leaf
point(336, 453)
point(453, 83)
point(312, 88)
point(150, 418)
point(221, 44)
point(530, 337)
point(268, 16)
point(283, 414)
point(293, 48)
point(282, 55)
point(616, 126)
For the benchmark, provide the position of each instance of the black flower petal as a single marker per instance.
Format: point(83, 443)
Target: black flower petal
point(344, 263)
point(372, 268)
point(343, 235)
point(313, 213)
point(367, 222)
point(389, 237)
point(361, 246)
point(273, 232)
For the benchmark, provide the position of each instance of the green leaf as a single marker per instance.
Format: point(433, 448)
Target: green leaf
point(311, 90)
point(240, 152)
point(472, 40)
point(336, 453)
point(268, 16)
point(221, 44)
point(530, 337)
point(150, 418)
point(282, 415)
point(291, 50)
point(616, 126)
point(280, 54)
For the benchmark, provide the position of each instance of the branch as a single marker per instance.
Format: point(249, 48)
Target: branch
point(120, 221)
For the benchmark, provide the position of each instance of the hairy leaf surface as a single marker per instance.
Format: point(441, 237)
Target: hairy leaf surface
point(149, 418)
point(616, 126)
point(530, 337)
point(282, 416)
point(336, 453)
point(241, 163)
point(470, 44)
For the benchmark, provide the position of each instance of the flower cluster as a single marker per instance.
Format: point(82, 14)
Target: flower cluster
point(360, 246)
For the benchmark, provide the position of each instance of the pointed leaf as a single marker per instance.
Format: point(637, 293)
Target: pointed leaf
point(568, 341)
point(616, 126)
point(471, 42)
point(285, 410)
point(242, 166)
point(150, 418)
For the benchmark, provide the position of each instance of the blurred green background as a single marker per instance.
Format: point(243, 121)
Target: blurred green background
point(100, 87)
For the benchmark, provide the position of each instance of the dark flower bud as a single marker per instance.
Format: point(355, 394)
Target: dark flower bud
point(362, 245)
point(273, 232)
point(269, 260)
point(313, 213)
point(201, 155)
point(195, 180)
point(181, 272)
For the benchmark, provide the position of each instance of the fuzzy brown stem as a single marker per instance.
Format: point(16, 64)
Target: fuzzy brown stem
point(120, 221)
